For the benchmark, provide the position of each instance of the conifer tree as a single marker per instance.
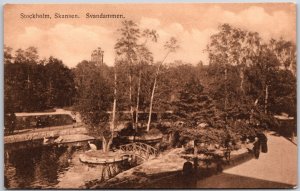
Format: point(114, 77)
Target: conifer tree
point(194, 106)
point(198, 114)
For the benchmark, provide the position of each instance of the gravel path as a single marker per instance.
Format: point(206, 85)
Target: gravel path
point(277, 169)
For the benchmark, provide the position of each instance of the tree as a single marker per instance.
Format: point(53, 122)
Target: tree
point(114, 109)
point(197, 112)
point(170, 46)
point(126, 48)
point(134, 56)
point(60, 84)
point(247, 74)
point(265, 66)
point(283, 93)
point(35, 85)
point(8, 58)
point(230, 49)
point(283, 85)
point(172, 79)
point(285, 52)
point(144, 57)
point(23, 80)
point(94, 97)
point(29, 56)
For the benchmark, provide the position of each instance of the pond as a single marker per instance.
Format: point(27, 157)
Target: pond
point(48, 167)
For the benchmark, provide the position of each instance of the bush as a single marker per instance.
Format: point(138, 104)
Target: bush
point(266, 121)
point(164, 127)
point(127, 131)
point(163, 146)
point(154, 131)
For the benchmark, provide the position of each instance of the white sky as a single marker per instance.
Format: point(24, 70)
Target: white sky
point(72, 40)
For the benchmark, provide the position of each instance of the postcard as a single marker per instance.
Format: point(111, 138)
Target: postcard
point(150, 96)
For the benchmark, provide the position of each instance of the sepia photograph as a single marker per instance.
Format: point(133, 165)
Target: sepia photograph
point(150, 96)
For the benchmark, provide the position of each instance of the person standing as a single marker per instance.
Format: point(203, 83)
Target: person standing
point(188, 175)
point(263, 140)
point(256, 148)
point(228, 147)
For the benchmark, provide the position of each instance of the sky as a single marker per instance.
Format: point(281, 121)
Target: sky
point(73, 40)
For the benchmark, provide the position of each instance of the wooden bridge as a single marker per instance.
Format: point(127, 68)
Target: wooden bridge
point(139, 149)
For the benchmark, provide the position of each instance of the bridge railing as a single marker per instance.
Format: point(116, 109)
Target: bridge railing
point(139, 149)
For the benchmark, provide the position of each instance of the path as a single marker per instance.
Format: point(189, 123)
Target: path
point(45, 132)
point(44, 129)
point(275, 169)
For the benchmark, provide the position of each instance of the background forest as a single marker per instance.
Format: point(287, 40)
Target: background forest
point(246, 82)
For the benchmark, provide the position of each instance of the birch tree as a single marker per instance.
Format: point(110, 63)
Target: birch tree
point(233, 48)
point(145, 57)
point(125, 48)
point(170, 46)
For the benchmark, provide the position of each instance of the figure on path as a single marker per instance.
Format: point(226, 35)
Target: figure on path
point(256, 148)
point(263, 140)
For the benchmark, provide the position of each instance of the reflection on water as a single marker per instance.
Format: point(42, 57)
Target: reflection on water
point(52, 167)
point(37, 167)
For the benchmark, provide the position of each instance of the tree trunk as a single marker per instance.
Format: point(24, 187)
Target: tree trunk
point(195, 149)
point(138, 99)
point(153, 91)
point(130, 99)
point(225, 92)
point(266, 99)
point(151, 103)
point(113, 121)
point(252, 111)
point(106, 144)
point(242, 79)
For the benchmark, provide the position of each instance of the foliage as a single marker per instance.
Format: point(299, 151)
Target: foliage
point(247, 81)
point(61, 87)
point(170, 46)
point(127, 131)
point(207, 135)
point(94, 93)
point(127, 43)
point(199, 116)
point(194, 106)
point(283, 93)
point(154, 131)
point(246, 73)
point(132, 63)
point(35, 85)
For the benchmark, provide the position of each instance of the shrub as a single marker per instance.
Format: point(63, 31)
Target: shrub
point(163, 146)
point(154, 131)
point(127, 131)
point(164, 127)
